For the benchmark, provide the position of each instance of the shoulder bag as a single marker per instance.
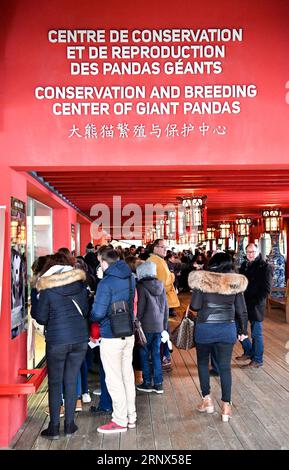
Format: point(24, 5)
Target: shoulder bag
point(183, 335)
point(121, 316)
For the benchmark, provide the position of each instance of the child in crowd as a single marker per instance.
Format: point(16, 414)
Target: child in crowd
point(152, 311)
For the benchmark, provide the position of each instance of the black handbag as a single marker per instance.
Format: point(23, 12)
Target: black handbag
point(183, 336)
point(121, 317)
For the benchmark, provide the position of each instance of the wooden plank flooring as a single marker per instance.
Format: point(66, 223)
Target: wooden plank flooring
point(165, 422)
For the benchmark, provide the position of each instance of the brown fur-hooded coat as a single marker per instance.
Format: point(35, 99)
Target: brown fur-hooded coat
point(63, 307)
point(219, 295)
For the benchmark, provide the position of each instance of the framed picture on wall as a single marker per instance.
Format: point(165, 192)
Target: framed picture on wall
point(72, 242)
point(18, 267)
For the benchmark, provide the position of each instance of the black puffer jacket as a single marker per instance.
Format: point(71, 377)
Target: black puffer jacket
point(219, 298)
point(64, 324)
point(152, 306)
point(259, 274)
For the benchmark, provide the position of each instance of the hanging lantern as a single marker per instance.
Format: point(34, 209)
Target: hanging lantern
point(171, 224)
point(181, 221)
point(243, 226)
point(198, 204)
point(201, 236)
point(224, 230)
point(194, 208)
point(272, 220)
point(187, 203)
point(168, 226)
point(162, 228)
point(211, 233)
point(158, 231)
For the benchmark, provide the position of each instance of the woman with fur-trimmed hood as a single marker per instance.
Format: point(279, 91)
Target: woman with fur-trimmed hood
point(62, 308)
point(222, 316)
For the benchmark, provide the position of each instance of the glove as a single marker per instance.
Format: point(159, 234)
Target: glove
point(242, 337)
point(165, 336)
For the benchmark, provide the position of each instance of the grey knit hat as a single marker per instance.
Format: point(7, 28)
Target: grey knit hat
point(147, 269)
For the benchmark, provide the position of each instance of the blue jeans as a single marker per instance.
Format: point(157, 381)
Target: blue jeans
point(78, 385)
point(151, 349)
point(63, 365)
point(255, 349)
point(223, 355)
point(105, 402)
point(82, 379)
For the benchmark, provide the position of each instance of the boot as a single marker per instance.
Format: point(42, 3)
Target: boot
point(207, 405)
point(70, 428)
point(51, 433)
point(226, 411)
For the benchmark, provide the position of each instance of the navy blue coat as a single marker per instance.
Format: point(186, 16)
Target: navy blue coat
point(112, 288)
point(55, 309)
point(260, 276)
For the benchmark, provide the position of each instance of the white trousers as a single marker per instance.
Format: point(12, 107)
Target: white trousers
point(116, 357)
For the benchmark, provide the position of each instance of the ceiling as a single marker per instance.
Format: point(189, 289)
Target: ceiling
point(229, 192)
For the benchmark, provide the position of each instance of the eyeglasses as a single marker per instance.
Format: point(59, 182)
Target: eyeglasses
point(251, 251)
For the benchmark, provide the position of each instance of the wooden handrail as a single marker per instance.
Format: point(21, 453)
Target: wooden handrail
point(30, 386)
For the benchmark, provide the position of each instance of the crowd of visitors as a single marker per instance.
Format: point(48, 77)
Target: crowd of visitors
point(73, 298)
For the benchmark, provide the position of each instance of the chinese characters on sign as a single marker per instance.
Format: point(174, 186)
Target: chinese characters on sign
point(124, 131)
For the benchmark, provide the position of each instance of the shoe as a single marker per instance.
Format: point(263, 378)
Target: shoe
point(144, 387)
point(207, 405)
point(86, 398)
point(243, 358)
point(78, 406)
point(158, 388)
point(97, 391)
point(70, 429)
point(253, 365)
point(226, 412)
point(51, 433)
point(100, 411)
point(61, 414)
point(214, 373)
point(166, 363)
point(131, 425)
point(111, 427)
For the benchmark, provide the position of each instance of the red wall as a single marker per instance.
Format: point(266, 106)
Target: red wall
point(32, 137)
point(13, 352)
point(258, 135)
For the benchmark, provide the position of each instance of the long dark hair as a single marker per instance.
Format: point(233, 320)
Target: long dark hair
point(220, 263)
point(57, 258)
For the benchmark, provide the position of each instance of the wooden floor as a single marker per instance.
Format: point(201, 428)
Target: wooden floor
point(169, 421)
